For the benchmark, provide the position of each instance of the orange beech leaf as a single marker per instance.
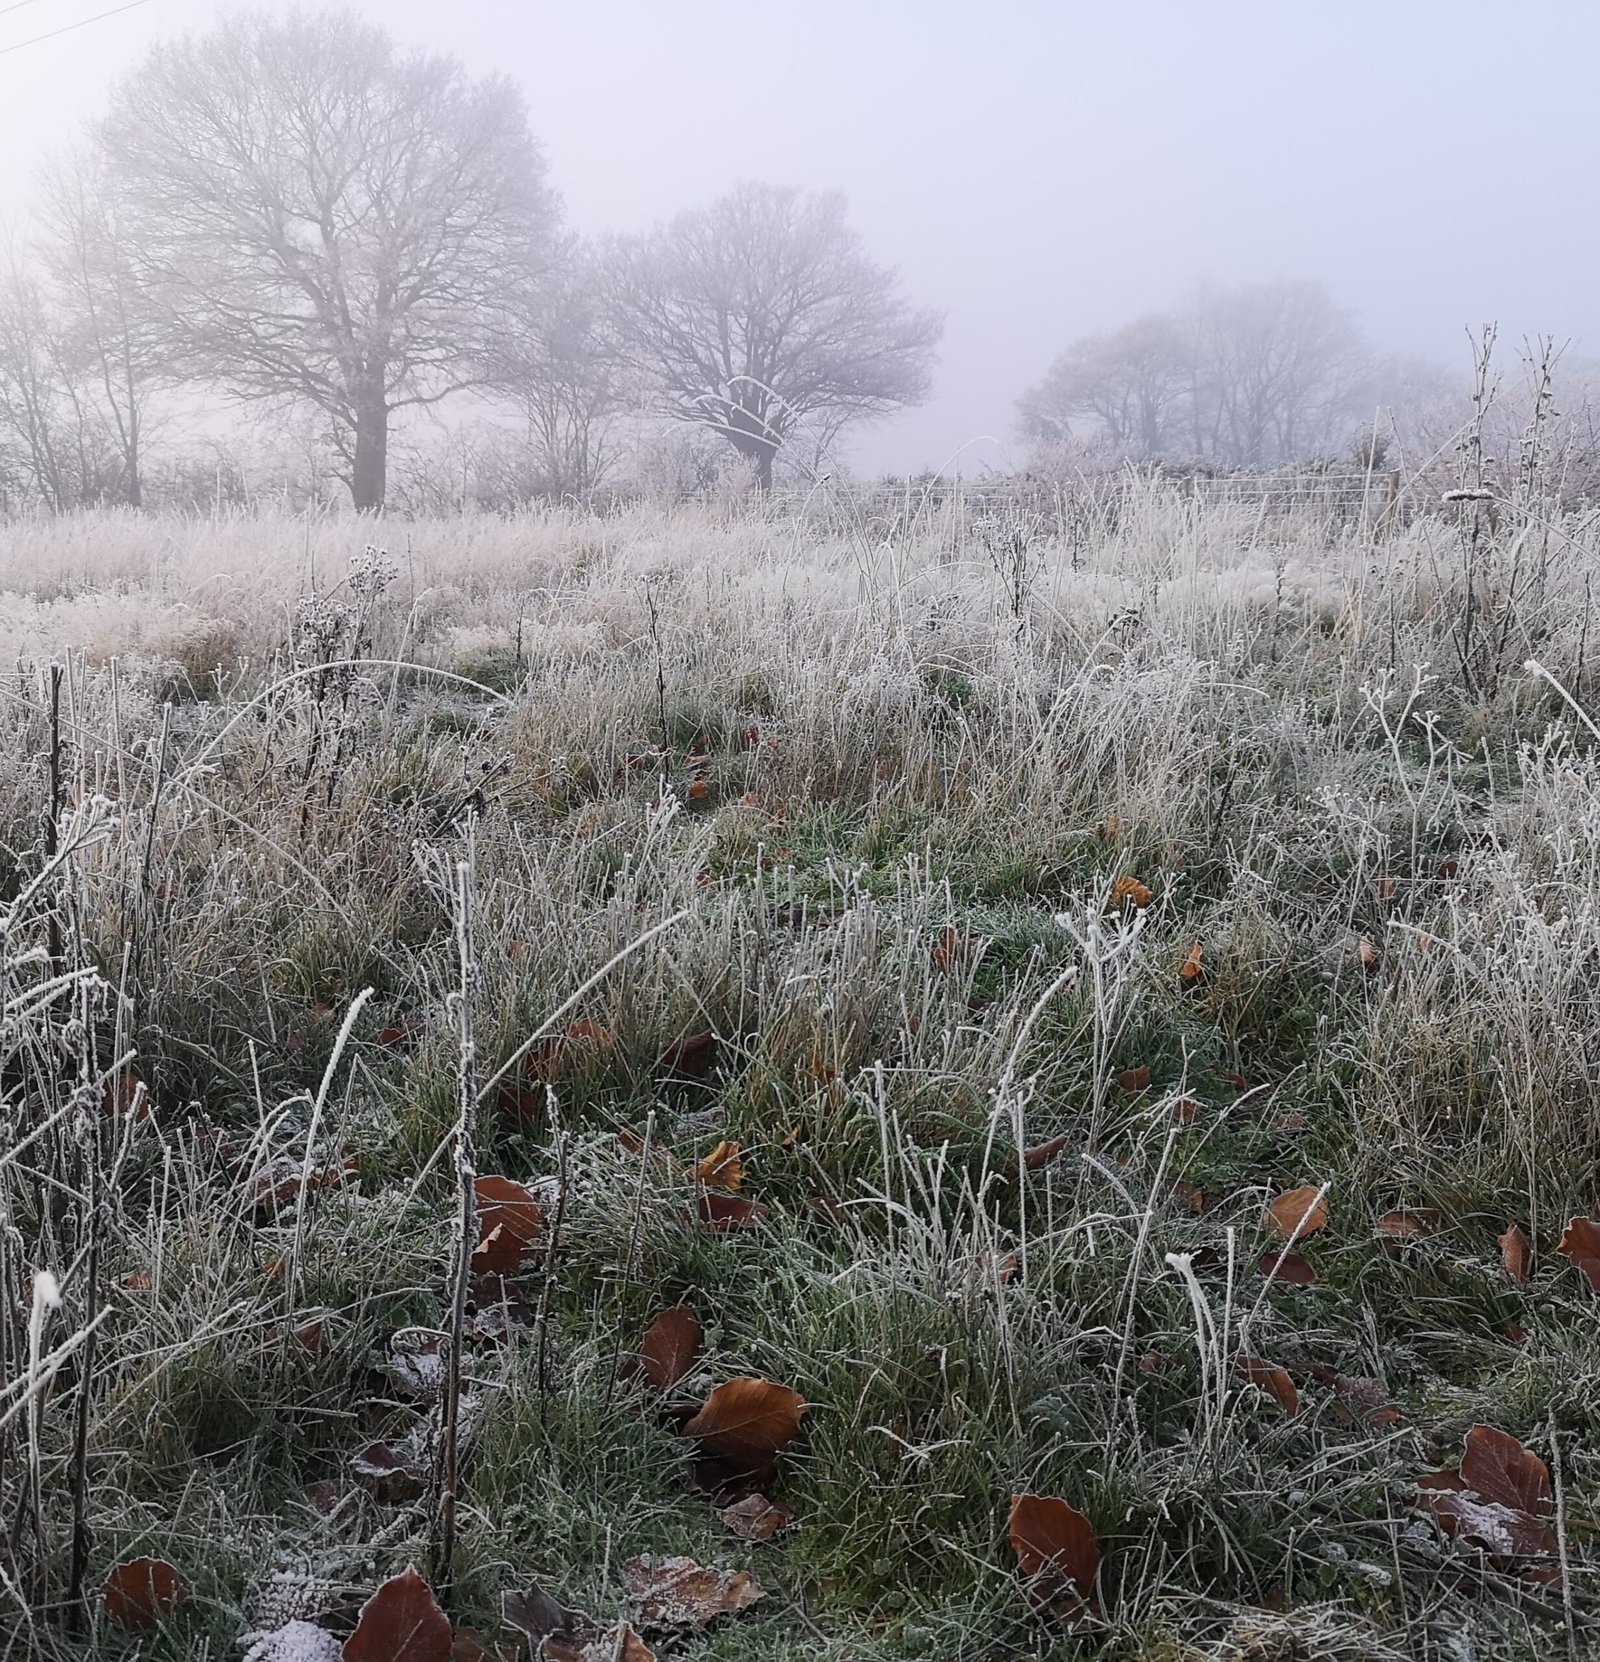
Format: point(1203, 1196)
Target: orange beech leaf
point(1193, 966)
point(1386, 888)
point(1580, 1246)
point(1498, 1468)
point(401, 1622)
point(1367, 952)
point(1056, 1549)
point(1131, 1080)
point(680, 1594)
point(509, 1222)
point(670, 1347)
point(755, 1518)
point(1516, 1253)
point(1270, 1380)
point(1185, 1109)
point(722, 1168)
point(1299, 1212)
point(1289, 1268)
point(1129, 891)
point(746, 1422)
point(1153, 1363)
point(1034, 1159)
point(141, 1591)
point(699, 789)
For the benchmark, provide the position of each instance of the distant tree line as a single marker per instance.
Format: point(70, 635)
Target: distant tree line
point(1241, 376)
point(298, 215)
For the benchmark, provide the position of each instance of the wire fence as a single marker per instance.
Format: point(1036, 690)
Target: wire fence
point(1378, 498)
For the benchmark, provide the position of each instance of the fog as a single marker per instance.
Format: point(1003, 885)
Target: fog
point(1037, 172)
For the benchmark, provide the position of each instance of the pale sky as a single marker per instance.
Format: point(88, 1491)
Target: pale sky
point(1036, 171)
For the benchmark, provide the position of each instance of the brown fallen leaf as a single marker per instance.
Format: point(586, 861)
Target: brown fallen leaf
point(387, 1474)
point(1034, 1159)
point(679, 1594)
point(1132, 1080)
point(1580, 1246)
point(722, 1168)
point(1367, 952)
point(557, 1634)
point(509, 1223)
point(1193, 966)
point(1500, 1500)
point(468, 1646)
point(1361, 1398)
point(755, 1518)
point(124, 1096)
point(1129, 891)
point(722, 1211)
point(1289, 1268)
point(1298, 1213)
point(537, 1615)
point(401, 1622)
point(617, 1644)
point(947, 948)
point(325, 1496)
point(1500, 1469)
point(141, 1591)
point(692, 1055)
point(1269, 1379)
point(1402, 1225)
point(1056, 1550)
point(744, 1423)
point(1516, 1253)
point(1189, 1195)
point(670, 1347)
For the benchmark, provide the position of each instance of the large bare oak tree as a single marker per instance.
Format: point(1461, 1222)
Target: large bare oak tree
point(762, 312)
point(320, 218)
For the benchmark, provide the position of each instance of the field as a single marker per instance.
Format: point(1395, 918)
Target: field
point(949, 956)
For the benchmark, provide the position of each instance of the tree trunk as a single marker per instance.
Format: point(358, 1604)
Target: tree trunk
point(370, 464)
point(764, 454)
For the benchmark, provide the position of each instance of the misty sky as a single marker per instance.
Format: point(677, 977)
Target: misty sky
point(1037, 171)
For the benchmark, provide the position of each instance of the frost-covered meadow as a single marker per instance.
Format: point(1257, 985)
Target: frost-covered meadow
point(1104, 1011)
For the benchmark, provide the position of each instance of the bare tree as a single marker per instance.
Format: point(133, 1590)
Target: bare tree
point(1278, 370)
point(1246, 376)
point(561, 365)
point(115, 335)
point(761, 312)
point(320, 218)
point(56, 447)
point(1129, 386)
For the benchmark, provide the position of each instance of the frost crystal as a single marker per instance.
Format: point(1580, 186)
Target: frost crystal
point(294, 1642)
